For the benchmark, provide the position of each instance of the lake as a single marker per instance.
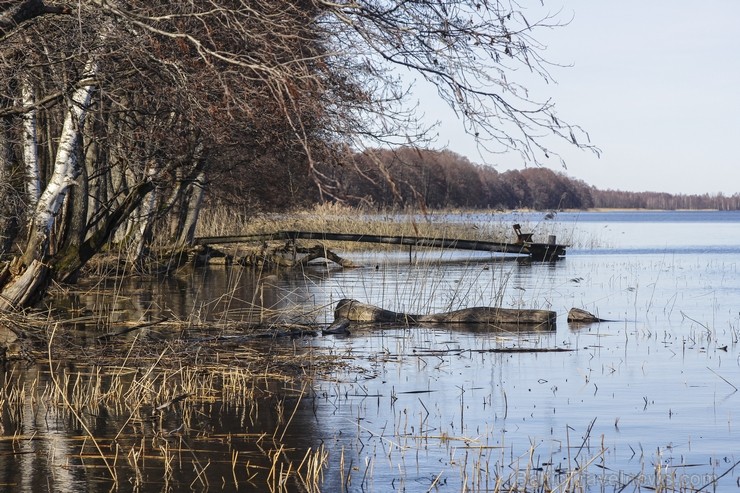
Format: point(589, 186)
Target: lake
point(646, 400)
point(650, 395)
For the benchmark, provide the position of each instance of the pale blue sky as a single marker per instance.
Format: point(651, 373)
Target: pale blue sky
point(656, 83)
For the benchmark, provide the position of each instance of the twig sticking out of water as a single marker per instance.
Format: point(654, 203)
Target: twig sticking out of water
point(174, 400)
point(720, 476)
point(697, 322)
point(723, 378)
point(111, 335)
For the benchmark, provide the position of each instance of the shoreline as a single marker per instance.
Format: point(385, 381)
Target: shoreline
point(542, 211)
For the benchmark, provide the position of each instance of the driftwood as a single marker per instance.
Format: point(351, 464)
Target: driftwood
point(355, 311)
point(578, 316)
point(287, 256)
point(22, 290)
point(320, 251)
point(110, 335)
point(270, 331)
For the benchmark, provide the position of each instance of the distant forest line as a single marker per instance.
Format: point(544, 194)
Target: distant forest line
point(434, 179)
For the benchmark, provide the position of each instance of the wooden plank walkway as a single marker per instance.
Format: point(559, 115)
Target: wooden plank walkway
point(538, 251)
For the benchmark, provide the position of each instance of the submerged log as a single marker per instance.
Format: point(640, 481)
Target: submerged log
point(576, 315)
point(340, 326)
point(9, 344)
point(109, 336)
point(287, 256)
point(320, 251)
point(356, 311)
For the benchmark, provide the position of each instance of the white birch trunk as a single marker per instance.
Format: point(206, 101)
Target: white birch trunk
point(66, 170)
point(30, 146)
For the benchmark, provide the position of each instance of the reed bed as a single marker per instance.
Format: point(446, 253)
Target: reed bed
point(146, 405)
point(335, 218)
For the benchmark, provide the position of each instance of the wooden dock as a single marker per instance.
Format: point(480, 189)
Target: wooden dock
point(523, 246)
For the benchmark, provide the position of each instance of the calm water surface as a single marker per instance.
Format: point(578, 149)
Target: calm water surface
point(655, 389)
point(652, 395)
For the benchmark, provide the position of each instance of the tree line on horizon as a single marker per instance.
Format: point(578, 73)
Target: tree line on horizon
point(442, 179)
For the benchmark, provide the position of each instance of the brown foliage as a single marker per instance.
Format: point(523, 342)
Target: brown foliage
point(444, 179)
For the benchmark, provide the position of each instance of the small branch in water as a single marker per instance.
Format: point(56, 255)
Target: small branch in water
point(111, 335)
point(173, 401)
point(696, 321)
point(714, 481)
point(523, 350)
point(723, 378)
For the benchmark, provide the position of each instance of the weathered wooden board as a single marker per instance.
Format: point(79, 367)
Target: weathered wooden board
point(522, 246)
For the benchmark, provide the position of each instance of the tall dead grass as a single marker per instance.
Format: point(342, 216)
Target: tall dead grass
point(336, 218)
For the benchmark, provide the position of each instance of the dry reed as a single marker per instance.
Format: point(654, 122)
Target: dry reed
point(335, 218)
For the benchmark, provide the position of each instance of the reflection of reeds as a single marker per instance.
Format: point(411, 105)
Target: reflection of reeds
point(153, 395)
point(75, 404)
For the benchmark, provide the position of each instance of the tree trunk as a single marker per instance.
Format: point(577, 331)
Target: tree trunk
point(66, 170)
point(186, 200)
point(73, 259)
point(74, 224)
point(355, 311)
point(31, 270)
point(9, 223)
point(192, 206)
point(25, 289)
point(21, 11)
point(95, 164)
point(121, 178)
point(142, 233)
point(30, 146)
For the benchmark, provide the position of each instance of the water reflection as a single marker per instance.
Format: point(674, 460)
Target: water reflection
point(226, 434)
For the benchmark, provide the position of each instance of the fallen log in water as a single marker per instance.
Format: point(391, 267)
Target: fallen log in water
point(355, 311)
point(578, 316)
